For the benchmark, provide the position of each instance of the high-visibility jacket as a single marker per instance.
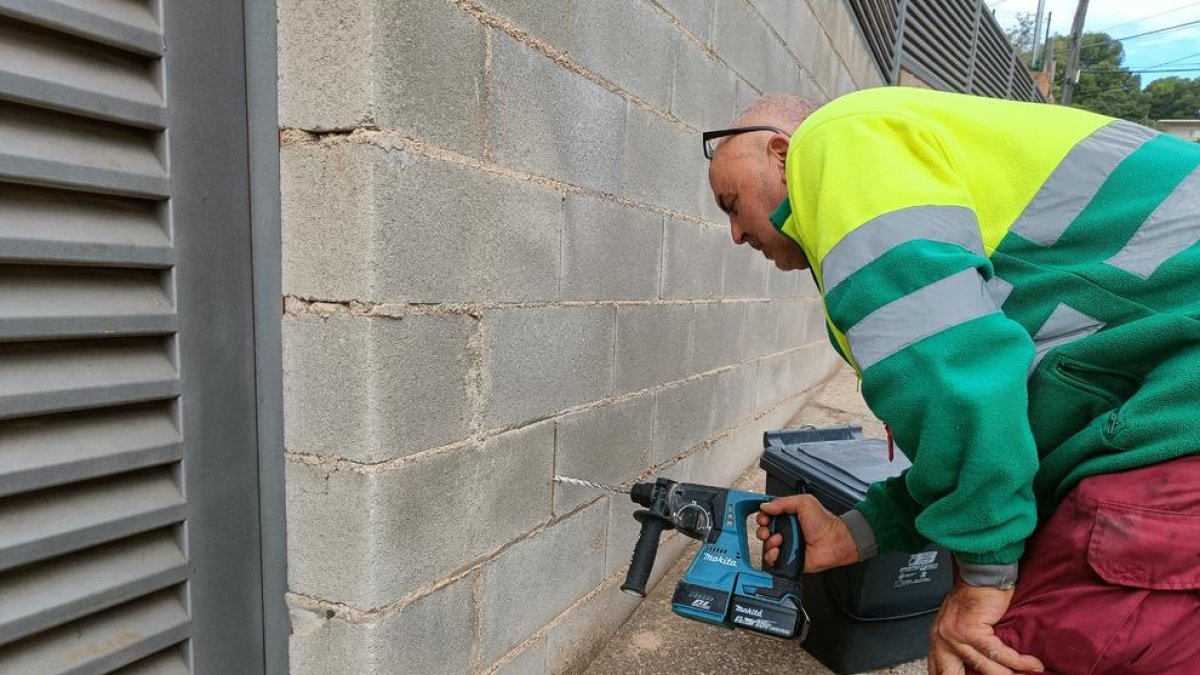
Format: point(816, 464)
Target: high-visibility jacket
point(1017, 285)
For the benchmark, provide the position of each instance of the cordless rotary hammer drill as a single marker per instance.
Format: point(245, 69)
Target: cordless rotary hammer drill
point(721, 587)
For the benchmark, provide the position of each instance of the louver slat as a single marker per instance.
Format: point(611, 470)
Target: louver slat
point(55, 150)
point(111, 22)
point(39, 225)
point(42, 452)
point(48, 523)
point(49, 594)
point(55, 71)
point(49, 377)
point(105, 641)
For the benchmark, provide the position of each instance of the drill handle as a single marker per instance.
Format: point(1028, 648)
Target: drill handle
point(790, 563)
point(644, 553)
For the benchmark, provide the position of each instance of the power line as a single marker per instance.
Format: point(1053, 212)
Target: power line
point(1147, 18)
point(1167, 63)
point(1178, 26)
point(1144, 70)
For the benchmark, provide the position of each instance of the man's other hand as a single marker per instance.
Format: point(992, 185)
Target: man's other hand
point(827, 540)
point(962, 639)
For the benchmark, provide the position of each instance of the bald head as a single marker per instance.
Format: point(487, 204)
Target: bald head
point(785, 111)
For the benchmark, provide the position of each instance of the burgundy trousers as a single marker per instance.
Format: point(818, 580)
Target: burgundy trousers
point(1110, 584)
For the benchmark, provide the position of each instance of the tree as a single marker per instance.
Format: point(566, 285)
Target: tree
point(1172, 98)
point(1021, 35)
point(1105, 85)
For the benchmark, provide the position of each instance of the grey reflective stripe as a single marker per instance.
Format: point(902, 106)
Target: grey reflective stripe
point(1076, 180)
point(927, 311)
point(951, 224)
point(999, 289)
point(1066, 324)
point(1173, 227)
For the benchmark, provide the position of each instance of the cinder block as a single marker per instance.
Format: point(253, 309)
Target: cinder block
point(777, 380)
point(429, 88)
point(583, 633)
point(547, 21)
point(843, 82)
point(704, 89)
point(761, 329)
point(653, 345)
point(531, 661)
point(693, 260)
point(372, 389)
point(800, 322)
point(609, 445)
point(371, 62)
point(721, 463)
point(449, 233)
point(695, 15)
point(683, 417)
point(549, 121)
point(787, 374)
point(327, 242)
point(862, 65)
point(386, 233)
point(733, 396)
point(745, 272)
point(410, 641)
point(651, 144)
point(783, 72)
point(716, 335)
point(793, 284)
point(810, 90)
point(610, 251)
point(823, 64)
point(776, 13)
point(539, 361)
point(324, 64)
point(366, 540)
point(628, 43)
point(746, 95)
point(739, 37)
point(808, 39)
point(537, 578)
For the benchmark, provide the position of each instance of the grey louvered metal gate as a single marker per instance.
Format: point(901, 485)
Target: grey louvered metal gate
point(954, 45)
point(129, 513)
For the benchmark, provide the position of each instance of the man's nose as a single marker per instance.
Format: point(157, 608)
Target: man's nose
point(739, 235)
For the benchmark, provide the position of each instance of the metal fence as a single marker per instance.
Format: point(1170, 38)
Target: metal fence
point(952, 44)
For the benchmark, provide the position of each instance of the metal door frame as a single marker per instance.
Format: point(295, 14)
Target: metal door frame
point(261, 47)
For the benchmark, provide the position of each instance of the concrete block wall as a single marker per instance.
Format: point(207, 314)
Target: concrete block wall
point(501, 262)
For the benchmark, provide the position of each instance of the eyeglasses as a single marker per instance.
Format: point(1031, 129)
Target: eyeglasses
point(709, 137)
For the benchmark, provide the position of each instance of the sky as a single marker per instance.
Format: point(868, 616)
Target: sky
point(1121, 18)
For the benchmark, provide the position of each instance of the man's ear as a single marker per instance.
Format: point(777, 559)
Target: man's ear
point(777, 149)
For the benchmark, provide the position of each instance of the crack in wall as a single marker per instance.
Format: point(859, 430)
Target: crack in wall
point(391, 140)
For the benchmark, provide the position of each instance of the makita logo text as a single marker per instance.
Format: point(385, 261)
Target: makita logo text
point(750, 611)
point(719, 559)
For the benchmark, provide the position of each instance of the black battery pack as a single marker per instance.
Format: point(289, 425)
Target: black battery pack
point(872, 614)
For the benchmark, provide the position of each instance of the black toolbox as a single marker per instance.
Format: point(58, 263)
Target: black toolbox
point(874, 613)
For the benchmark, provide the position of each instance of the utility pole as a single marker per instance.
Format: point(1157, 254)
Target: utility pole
point(1071, 74)
point(1037, 33)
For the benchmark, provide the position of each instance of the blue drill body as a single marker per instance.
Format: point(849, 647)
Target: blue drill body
point(721, 587)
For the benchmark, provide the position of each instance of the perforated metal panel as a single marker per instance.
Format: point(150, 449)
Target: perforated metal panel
point(126, 396)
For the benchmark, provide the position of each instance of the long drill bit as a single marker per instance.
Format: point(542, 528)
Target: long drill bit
point(590, 484)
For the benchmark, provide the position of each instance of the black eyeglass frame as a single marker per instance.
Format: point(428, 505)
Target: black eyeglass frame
point(721, 133)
